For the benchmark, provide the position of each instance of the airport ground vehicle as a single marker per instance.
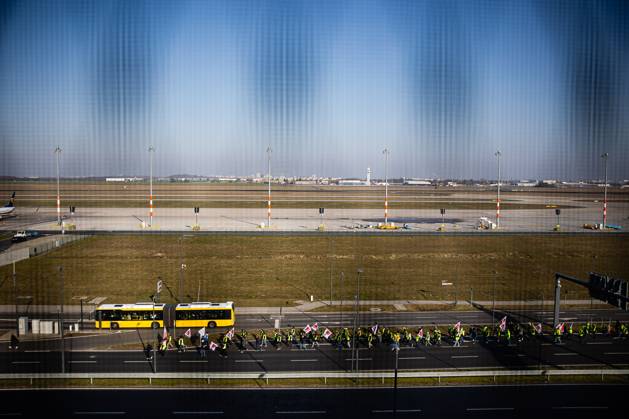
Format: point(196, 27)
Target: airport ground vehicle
point(146, 315)
point(21, 236)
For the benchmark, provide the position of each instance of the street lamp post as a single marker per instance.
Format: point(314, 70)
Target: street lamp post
point(498, 154)
point(356, 311)
point(386, 153)
point(268, 152)
point(63, 346)
point(397, 352)
point(151, 153)
point(17, 319)
point(493, 301)
point(604, 157)
point(58, 154)
point(341, 295)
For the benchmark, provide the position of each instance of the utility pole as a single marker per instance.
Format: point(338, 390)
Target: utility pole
point(63, 346)
point(151, 153)
point(386, 153)
point(604, 157)
point(58, 154)
point(268, 152)
point(498, 154)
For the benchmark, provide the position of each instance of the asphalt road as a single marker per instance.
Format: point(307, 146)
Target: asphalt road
point(254, 322)
point(599, 352)
point(556, 401)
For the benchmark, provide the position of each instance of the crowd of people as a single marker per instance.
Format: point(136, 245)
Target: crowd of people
point(508, 333)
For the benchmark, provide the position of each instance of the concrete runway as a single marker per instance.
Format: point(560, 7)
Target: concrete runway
point(308, 219)
point(556, 401)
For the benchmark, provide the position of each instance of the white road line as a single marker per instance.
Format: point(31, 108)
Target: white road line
point(481, 409)
point(564, 353)
point(412, 357)
point(193, 361)
point(359, 359)
point(581, 407)
point(463, 356)
point(133, 362)
point(599, 343)
point(397, 410)
point(249, 360)
point(82, 362)
point(198, 413)
point(304, 360)
point(25, 362)
point(300, 412)
point(615, 353)
point(99, 413)
point(37, 351)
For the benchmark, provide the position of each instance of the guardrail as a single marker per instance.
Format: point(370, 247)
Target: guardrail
point(320, 375)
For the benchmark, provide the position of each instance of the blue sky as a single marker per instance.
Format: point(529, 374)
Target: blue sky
point(327, 84)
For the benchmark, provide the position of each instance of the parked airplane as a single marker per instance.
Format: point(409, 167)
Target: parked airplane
point(7, 210)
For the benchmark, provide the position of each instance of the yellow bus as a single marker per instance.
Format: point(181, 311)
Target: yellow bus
point(201, 314)
point(145, 315)
point(129, 316)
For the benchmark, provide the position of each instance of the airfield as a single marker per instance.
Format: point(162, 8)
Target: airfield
point(243, 207)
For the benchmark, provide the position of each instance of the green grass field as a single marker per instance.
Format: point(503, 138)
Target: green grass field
point(273, 270)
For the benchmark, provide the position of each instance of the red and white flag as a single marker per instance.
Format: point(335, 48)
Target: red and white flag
point(230, 334)
point(165, 334)
point(315, 326)
point(188, 333)
point(538, 328)
point(503, 324)
point(213, 346)
point(374, 329)
point(202, 331)
point(457, 326)
point(307, 329)
point(327, 333)
point(420, 333)
point(560, 327)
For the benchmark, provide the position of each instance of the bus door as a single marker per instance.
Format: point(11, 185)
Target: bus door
point(169, 315)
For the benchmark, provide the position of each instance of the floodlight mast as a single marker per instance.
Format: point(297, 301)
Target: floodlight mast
point(386, 153)
point(498, 154)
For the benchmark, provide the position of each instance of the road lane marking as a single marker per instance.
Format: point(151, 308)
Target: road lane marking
point(99, 413)
point(190, 361)
point(397, 410)
point(25, 362)
point(198, 413)
point(599, 343)
point(412, 357)
point(581, 407)
point(300, 412)
point(615, 353)
point(130, 362)
point(463, 356)
point(82, 362)
point(37, 351)
point(304, 360)
point(564, 353)
point(482, 409)
point(249, 360)
point(358, 359)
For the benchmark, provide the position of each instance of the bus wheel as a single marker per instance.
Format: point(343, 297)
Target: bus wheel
point(211, 325)
point(114, 326)
point(155, 325)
